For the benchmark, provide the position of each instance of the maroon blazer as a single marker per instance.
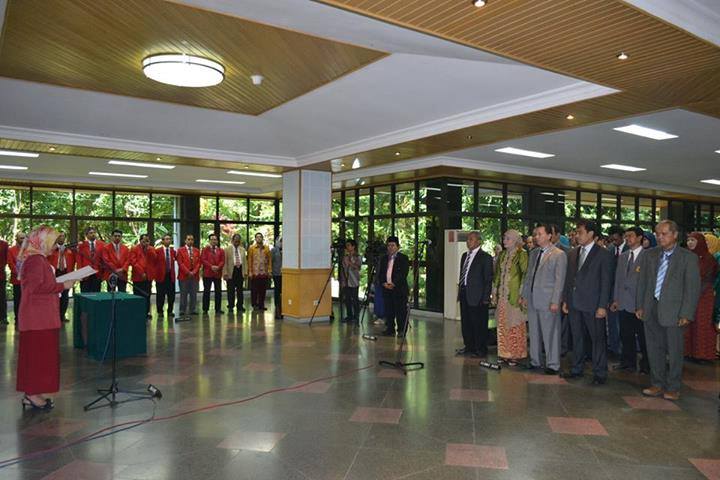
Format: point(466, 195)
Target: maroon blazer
point(40, 302)
point(3, 259)
point(208, 260)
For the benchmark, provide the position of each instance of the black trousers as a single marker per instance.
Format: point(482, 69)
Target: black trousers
point(17, 298)
point(565, 337)
point(352, 302)
point(277, 295)
point(64, 296)
point(395, 310)
point(474, 324)
point(165, 291)
point(582, 324)
point(630, 329)
point(207, 284)
point(121, 285)
point(3, 301)
point(142, 289)
point(235, 289)
point(90, 284)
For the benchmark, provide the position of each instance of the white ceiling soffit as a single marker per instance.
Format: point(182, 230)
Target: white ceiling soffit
point(675, 165)
point(401, 97)
point(699, 17)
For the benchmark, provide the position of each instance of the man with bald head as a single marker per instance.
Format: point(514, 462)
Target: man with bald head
point(476, 275)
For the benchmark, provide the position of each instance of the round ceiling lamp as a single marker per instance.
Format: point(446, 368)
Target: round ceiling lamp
point(183, 70)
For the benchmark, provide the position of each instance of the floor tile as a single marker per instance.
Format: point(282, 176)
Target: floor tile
point(253, 441)
point(650, 403)
point(471, 395)
point(82, 470)
point(390, 373)
point(576, 426)
point(376, 415)
point(708, 467)
point(703, 385)
point(479, 456)
point(163, 379)
point(540, 379)
point(314, 387)
point(55, 427)
point(260, 367)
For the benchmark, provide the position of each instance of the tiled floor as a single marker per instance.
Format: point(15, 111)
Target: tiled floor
point(451, 420)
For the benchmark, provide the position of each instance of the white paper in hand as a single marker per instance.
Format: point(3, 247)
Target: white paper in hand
point(76, 275)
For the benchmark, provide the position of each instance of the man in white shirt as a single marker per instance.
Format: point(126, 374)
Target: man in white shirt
point(235, 271)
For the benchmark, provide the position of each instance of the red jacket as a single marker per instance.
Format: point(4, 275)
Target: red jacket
point(40, 301)
point(83, 257)
point(12, 263)
point(69, 259)
point(160, 264)
point(143, 263)
point(3, 259)
point(209, 259)
point(187, 268)
point(114, 262)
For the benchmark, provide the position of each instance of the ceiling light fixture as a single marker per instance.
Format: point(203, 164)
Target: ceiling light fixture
point(13, 167)
point(14, 153)
point(624, 168)
point(183, 70)
point(645, 132)
point(141, 164)
point(255, 174)
point(717, 151)
point(479, 3)
point(52, 149)
point(524, 153)
point(570, 116)
point(228, 182)
point(113, 174)
point(711, 181)
point(622, 56)
point(356, 164)
point(397, 154)
point(257, 79)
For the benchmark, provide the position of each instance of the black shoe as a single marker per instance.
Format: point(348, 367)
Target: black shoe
point(171, 314)
point(551, 371)
point(230, 309)
point(599, 380)
point(461, 351)
point(219, 312)
point(205, 312)
point(571, 375)
point(160, 314)
point(622, 367)
point(530, 366)
point(195, 313)
point(182, 314)
point(263, 308)
point(645, 370)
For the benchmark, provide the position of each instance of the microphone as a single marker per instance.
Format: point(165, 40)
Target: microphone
point(71, 245)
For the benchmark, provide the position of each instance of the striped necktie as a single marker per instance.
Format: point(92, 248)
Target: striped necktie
point(662, 270)
point(463, 275)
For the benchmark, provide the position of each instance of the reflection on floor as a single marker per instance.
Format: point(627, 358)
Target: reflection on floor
point(452, 420)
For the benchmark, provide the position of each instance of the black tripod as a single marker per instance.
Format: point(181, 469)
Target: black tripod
point(333, 260)
point(366, 301)
point(398, 363)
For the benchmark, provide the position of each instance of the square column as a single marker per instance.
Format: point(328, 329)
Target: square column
point(307, 197)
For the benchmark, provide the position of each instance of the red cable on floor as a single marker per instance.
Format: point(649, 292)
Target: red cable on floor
point(137, 423)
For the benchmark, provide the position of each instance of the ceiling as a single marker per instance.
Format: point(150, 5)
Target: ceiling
point(438, 81)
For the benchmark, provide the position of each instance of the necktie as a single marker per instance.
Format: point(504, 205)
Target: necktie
point(61, 258)
point(466, 266)
point(662, 270)
point(630, 261)
point(92, 249)
point(581, 260)
point(237, 257)
point(388, 273)
point(167, 259)
point(117, 250)
point(191, 256)
point(537, 265)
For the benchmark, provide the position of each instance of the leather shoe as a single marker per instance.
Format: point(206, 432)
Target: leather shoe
point(551, 371)
point(672, 396)
point(621, 366)
point(599, 380)
point(461, 351)
point(652, 391)
point(530, 366)
point(571, 375)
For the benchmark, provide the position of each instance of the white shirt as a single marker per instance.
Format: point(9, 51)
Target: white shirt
point(636, 253)
point(471, 255)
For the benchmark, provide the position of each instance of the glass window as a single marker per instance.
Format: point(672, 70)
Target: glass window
point(165, 206)
point(350, 230)
point(461, 195)
point(662, 209)
point(206, 228)
point(588, 205)
point(608, 207)
point(431, 196)
point(362, 234)
point(468, 223)
point(405, 231)
point(429, 229)
point(382, 197)
point(364, 202)
point(9, 227)
point(517, 224)
point(227, 230)
point(267, 230)
point(52, 202)
point(627, 210)
point(517, 200)
point(132, 230)
point(350, 203)
point(262, 210)
point(382, 228)
point(491, 233)
point(569, 197)
point(336, 204)
point(167, 228)
point(705, 215)
point(208, 208)
point(93, 204)
point(645, 213)
point(58, 224)
point(335, 231)
point(132, 205)
point(15, 200)
point(405, 198)
point(102, 227)
point(236, 209)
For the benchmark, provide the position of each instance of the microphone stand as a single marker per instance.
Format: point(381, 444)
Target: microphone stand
point(110, 394)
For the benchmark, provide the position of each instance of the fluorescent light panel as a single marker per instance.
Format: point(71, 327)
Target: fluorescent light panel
point(254, 174)
point(113, 174)
point(141, 164)
point(711, 181)
point(13, 167)
point(524, 153)
point(13, 153)
point(645, 132)
point(356, 164)
point(624, 168)
point(228, 182)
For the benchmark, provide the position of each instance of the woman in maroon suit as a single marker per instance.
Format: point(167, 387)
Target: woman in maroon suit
point(38, 367)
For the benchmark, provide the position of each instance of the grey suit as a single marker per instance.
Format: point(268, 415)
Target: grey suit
point(542, 287)
point(678, 299)
point(586, 290)
point(624, 294)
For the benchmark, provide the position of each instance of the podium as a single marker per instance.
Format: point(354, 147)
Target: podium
point(91, 323)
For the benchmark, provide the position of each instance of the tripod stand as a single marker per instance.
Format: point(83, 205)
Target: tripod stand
point(398, 363)
point(366, 302)
point(322, 294)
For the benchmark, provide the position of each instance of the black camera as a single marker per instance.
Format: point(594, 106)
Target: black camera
point(374, 250)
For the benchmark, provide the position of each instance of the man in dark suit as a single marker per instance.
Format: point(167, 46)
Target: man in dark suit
point(616, 247)
point(476, 275)
point(565, 338)
point(586, 298)
point(393, 273)
point(667, 295)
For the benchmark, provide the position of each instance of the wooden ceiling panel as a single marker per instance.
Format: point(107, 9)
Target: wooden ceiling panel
point(99, 45)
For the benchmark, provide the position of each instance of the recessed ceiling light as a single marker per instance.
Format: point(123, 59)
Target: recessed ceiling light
point(570, 116)
point(468, 137)
point(624, 168)
point(141, 164)
point(113, 174)
point(52, 149)
point(14, 153)
point(622, 56)
point(255, 174)
point(479, 3)
point(397, 154)
point(362, 183)
point(13, 167)
point(711, 181)
point(524, 153)
point(229, 182)
point(645, 132)
point(356, 163)
point(717, 151)
point(342, 165)
point(183, 70)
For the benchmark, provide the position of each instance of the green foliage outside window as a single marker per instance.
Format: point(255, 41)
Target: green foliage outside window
point(52, 202)
point(93, 204)
point(132, 205)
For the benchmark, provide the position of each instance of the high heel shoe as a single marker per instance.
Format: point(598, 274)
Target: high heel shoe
point(26, 402)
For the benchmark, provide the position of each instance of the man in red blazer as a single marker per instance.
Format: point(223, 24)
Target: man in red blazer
point(63, 261)
point(3, 281)
point(188, 260)
point(89, 252)
point(117, 259)
point(165, 276)
point(142, 260)
point(213, 260)
point(12, 263)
